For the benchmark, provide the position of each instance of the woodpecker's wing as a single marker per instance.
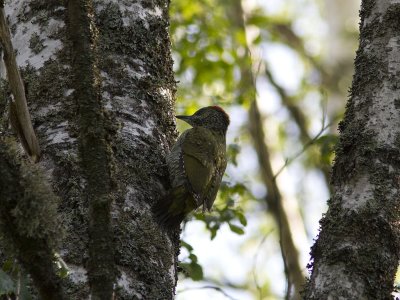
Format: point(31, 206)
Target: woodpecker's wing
point(215, 181)
point(199, 151)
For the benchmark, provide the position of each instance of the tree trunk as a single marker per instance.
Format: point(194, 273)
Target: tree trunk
point(100, 88)
point(357, 251)
point(247, 93)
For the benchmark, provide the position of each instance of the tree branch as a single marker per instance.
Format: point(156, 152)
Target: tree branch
point(305, 147)
point(300, 120)
point(19, 114)
point(247, 90)
point(274, 199)
point(213, 287)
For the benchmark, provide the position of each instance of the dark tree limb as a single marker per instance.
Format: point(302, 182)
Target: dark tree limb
point(19, 114)
point(274, 201)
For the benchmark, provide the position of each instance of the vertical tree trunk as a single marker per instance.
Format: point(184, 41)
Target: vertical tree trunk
point(357, 251)
point(100, 88)
point(247, 93)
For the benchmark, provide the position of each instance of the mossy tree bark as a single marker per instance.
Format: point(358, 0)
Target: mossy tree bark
point(356, 254)
point(100, 89)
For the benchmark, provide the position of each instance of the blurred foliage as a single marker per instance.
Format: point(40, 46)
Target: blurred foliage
point(205, 52)
point(229, 213)
point(326, 145)
point(189, 266)
point(212, 57)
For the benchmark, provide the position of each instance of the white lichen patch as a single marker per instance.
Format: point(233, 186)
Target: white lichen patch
point(125, 283)
point(25, 31)
point(106, 96)
point(129, 199)
point(166, 93)
point(393, 50)
point(385, 108)
point(59, 135)
point(329, 277)
point(14, 7)
point(385, 120)
point(124, 105)
point(133, 11)
point(137, 11)
point(137, 129)
point(381, 7)
point(108, 105)
point(77, 274)
point(171, 272)
point(2, 68)
point(68, 92)
point(49, 109)
point(355, 199)
point(138, 73)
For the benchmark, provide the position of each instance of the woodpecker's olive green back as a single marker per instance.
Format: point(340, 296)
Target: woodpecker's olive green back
point(204, 156)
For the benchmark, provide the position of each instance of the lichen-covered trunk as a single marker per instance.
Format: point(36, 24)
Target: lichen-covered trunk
point(100, 89)
point(357, 251)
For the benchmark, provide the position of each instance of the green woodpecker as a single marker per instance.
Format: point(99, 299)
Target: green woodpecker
point(196, 165)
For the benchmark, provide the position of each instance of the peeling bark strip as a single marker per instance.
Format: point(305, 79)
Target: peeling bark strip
point(357, 251)
point(19, 114)
point(95, 149)
point(28, 220)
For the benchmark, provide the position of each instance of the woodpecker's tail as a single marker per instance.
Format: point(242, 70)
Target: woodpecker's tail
point(171, 210)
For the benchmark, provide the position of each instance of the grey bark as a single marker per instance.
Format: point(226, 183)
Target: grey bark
point(101, 91)
point(356, 254)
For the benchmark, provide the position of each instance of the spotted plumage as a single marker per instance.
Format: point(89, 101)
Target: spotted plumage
point(196, 165)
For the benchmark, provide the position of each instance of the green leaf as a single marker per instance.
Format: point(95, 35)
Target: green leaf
point(236, 229)
point(192, 270)
point(186, 245)
point(242, 218)
point(193, 258)
point(196, 272)
point(213, 233)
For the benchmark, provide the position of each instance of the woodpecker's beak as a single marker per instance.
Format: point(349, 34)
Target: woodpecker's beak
point(184, 118)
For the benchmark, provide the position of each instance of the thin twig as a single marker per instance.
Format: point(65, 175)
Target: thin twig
point(212, 287)
point(288, 161)
point(299, 117)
